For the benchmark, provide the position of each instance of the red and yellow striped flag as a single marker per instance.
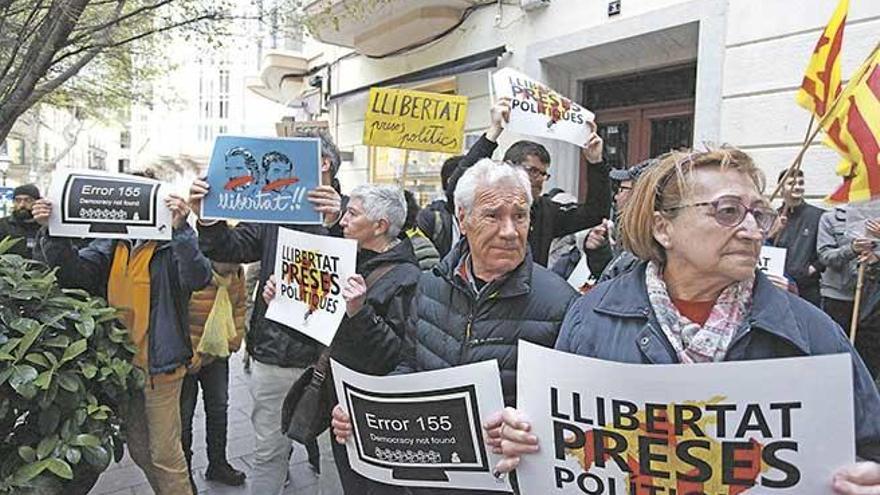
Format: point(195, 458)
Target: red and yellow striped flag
point(821, 82)
point(852, 126)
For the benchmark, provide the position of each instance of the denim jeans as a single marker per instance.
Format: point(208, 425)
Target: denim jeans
point(214, 381)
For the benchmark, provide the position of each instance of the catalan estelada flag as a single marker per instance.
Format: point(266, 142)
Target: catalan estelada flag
point(821, 82)
point(852, 126)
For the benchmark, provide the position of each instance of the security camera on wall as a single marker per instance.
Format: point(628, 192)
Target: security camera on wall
point(533, 4)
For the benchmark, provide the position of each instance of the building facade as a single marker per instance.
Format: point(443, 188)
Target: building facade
point(659, 74)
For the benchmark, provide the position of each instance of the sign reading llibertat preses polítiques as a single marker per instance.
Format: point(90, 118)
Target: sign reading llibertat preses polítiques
point(107, 205)
point(423, 429)
point(719, 428)
point(538, 110)
point(310, 271)
point(263, 179)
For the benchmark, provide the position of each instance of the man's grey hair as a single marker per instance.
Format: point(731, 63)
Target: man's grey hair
point(487, 173)
point(383, 202)
point(328, 147)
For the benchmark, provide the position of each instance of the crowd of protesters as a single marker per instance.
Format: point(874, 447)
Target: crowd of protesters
point(468, 277)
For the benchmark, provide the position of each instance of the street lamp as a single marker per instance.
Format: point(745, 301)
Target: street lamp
point(5, 162)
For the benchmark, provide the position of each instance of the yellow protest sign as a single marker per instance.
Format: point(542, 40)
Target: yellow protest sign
point(415, 120)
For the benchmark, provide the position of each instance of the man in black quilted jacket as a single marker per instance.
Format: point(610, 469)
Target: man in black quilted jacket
point(488, 293)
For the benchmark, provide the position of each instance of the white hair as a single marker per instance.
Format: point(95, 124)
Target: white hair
point(383, 202)
point(487, 173)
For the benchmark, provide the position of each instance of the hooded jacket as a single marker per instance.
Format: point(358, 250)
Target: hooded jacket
point(458, 326)
point(615, 322)
point(372, 340)
point(177, 268)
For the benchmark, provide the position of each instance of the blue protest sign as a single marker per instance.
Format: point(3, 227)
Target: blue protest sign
point(5, 201)
point(263, 179)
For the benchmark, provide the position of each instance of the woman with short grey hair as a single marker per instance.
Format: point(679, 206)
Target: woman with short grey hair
point(378, 298)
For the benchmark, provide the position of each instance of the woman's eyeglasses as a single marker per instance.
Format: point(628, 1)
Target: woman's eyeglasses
point(730, 211)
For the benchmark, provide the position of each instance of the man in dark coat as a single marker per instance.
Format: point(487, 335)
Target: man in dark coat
point(279, 354)
point(488, 293)
point(20, 224)
point(549, 220)
point(798, 237)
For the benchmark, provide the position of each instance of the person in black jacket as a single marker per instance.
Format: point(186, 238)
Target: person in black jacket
point(20, 224)
point(800, 229)
point(437, 220)
point(371, 336)
point(488, 294)
point(279, 354)
point(549, 220)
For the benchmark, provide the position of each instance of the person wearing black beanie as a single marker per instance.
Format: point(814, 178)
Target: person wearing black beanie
point(20, 224)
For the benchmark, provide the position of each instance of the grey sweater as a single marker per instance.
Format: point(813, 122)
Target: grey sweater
point(835, 252)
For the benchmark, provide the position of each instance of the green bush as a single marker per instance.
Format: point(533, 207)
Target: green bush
point(65, 369)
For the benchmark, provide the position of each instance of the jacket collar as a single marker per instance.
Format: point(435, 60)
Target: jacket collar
point(516, 283)
point(771, 308)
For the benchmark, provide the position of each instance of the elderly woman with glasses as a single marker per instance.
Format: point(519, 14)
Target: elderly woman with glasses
point(698, 221)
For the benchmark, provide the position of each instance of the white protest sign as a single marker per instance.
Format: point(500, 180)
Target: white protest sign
point(310, 271)
point(106, 205)
point(423, 429)
point(580, 275)
point(719, 428)
point(772, 260)
point(538, 110)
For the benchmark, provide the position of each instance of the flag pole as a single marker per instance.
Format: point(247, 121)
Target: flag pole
point(812, 135)
point(854, 323)
point(800, 156)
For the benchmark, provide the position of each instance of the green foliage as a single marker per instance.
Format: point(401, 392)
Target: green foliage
point(65, 369)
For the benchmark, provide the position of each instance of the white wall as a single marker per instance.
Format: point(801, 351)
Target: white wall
point(751, 59)
point(768, 46)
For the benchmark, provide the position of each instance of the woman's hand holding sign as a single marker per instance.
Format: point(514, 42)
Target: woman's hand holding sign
point(197, 191)
point(516, 439)
point(354, 293)
point(858, 479)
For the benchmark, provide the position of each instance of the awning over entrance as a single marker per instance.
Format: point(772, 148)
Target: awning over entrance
point(483, 60)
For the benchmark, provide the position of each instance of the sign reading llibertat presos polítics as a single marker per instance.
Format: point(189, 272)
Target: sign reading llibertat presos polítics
point(263, 180)
point(310, 271)
point(423, 429)
point(107, 205)
point(538, 110)
point(415, 120)
point(719, 428)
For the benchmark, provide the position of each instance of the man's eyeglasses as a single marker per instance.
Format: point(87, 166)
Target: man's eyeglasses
point(537, 172)
point(624, 188)
point(730, 211)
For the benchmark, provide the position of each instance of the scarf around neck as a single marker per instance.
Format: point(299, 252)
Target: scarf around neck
point(694, 343)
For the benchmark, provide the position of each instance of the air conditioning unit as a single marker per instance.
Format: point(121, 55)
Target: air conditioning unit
point(533, 4)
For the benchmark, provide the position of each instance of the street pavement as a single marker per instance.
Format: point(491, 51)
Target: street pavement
point(125, 478)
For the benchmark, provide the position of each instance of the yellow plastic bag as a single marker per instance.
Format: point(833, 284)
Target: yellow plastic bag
point(220, 325)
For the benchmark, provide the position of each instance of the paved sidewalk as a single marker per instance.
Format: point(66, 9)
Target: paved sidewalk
point(125, 478)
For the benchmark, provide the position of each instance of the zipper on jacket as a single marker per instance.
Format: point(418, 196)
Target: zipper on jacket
point(467, 335)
